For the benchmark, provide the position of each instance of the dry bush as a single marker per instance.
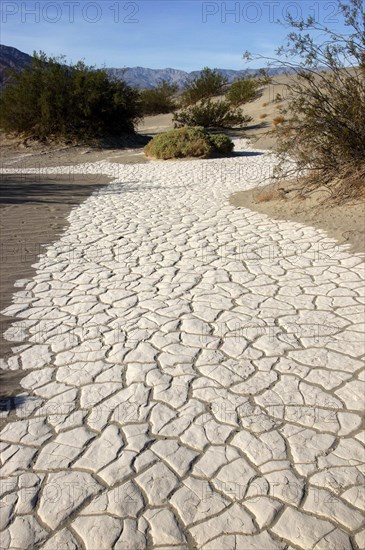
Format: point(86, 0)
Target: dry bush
point(264, 115)
point(278, 120)
point(349, 185)
point(324, 130)
point(270, 194)
point(265, 104)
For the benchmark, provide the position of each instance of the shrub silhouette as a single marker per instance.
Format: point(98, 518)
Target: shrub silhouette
point(51, 99)
point(209, 114)
point(187, 142)
point(159, 100)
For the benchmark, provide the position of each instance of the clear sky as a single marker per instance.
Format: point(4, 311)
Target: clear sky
point(183, 34)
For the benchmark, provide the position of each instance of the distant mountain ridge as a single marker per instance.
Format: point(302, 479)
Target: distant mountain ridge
point(11, 58)
point(138, 77)
point(141, 77)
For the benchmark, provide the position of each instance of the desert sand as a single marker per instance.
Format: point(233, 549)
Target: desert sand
point(344, 222)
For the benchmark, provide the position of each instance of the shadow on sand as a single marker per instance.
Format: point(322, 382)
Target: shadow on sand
point(247, 154)
point(10, 389)
point(51, 189)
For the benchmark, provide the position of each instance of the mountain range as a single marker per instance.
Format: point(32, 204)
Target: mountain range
point(138, 77)
point(11, 58)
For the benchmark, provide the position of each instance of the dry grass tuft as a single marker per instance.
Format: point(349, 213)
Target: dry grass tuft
point(264, 115)
point(278, 120)
point(267, 195)
point(265, 104)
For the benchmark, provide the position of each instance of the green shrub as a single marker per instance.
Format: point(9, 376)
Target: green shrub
point(73, 102)
point(159, 100)
point(243, 91)
point(222, 143)
point(208, 84)
point(209, 114)
point(187, 142)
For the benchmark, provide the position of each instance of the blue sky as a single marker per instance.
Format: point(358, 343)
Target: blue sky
point(183, 34)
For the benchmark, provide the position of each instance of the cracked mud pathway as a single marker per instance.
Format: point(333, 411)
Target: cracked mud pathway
point(196, 376)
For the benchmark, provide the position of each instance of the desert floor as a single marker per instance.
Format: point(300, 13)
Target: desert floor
point(33, 213)
point(345, 223)
point(193, 371)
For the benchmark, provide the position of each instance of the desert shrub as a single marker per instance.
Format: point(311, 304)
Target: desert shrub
point(208, 84)
point(74, 102)
point(325, 123)
point(221, 143)
point(263, 115)
point(159, 100)
point(209, 114)
point(200, 110)
point(243, 91)
point(324, 130)
point(187, 142)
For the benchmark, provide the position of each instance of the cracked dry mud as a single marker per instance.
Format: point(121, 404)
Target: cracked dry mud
point(195, 374)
